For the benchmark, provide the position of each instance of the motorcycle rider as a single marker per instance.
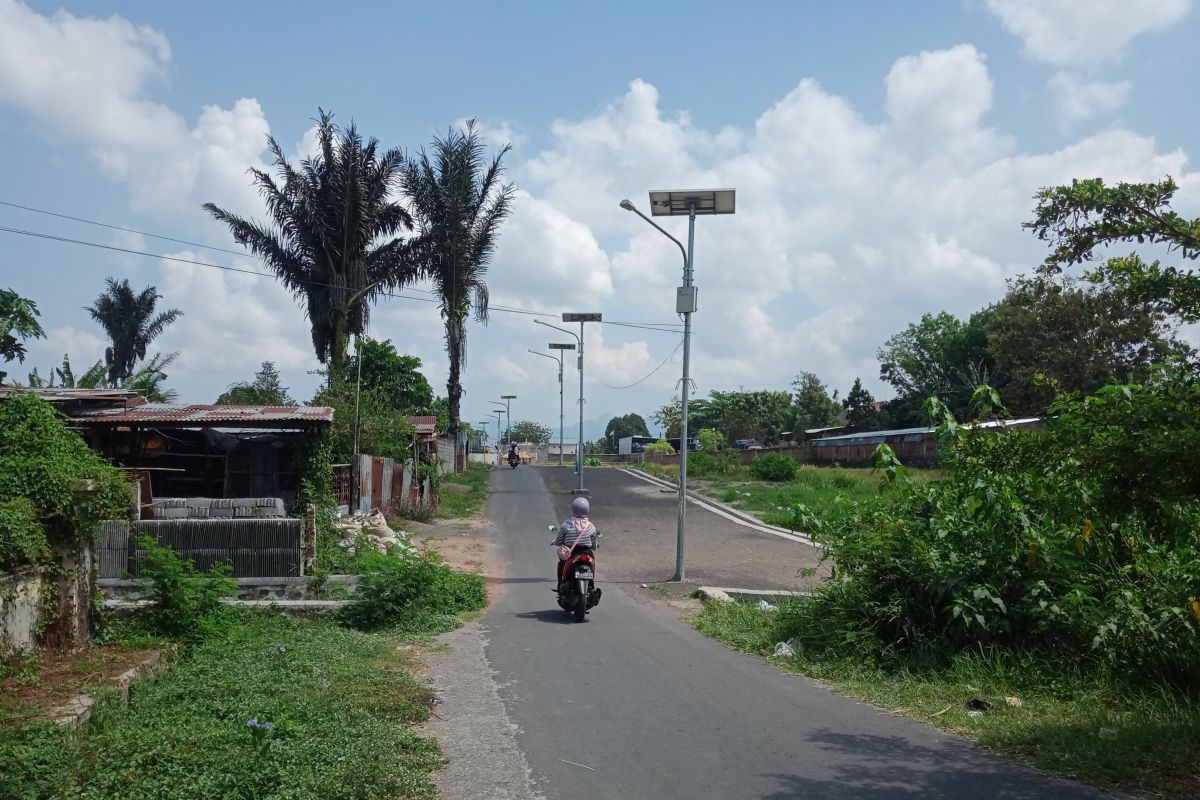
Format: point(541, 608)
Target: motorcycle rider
point(575, 533)
point(512, 453)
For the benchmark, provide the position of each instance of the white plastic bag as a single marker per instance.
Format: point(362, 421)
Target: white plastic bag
point(784, 650)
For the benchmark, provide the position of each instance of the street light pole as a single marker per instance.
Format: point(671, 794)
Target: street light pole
point(560, 347)
point(508, 398)
point(558, 361)
point(718, 201)
point(580, 318)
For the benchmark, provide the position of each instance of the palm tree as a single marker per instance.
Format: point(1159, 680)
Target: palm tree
point(131, 325)
point(459, 203)
point(332, 236)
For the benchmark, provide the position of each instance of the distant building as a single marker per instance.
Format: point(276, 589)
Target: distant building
point(638, 444)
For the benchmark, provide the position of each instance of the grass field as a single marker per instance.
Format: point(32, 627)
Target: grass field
point(272, 708)
point(821, 490)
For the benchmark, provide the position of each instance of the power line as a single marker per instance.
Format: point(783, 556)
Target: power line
point(660, 327)
point(116, 227)
point(656, 369)
point(194, 262)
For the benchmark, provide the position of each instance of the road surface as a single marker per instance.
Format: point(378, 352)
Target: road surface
point(635, 704)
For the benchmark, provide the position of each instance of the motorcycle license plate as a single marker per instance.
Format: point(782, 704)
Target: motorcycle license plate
point(583, 574)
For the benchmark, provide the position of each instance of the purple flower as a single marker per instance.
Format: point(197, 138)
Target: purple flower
point(269, 726)
point(281, 648)
point(252, 723)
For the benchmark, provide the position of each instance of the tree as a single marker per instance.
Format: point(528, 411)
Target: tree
point(529, 431)
point(1049, 334)
point(264, 390)
point(1086, 216)
point(18, 322)
point(64, 377)
point(860, 408)
point(761, 415)
point(396, 377)
point(667, 417)
point(333, 235)
point(383, 430)
point(459, 204)
point(147, 381)
point(620, 427)
point(813, 407)
point(129, 321)
point(441, 409)
point(940, 356)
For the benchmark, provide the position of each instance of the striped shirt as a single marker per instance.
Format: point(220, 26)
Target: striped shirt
point(567, 533)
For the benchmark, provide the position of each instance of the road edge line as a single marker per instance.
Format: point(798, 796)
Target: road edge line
point(724, 511)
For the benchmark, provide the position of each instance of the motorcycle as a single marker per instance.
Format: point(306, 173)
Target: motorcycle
point(577, 591)
point(513, 460)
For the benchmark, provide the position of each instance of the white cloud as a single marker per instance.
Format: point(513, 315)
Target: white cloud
point(85, 348)
point(1081, 38)
point(89, 80)
point(128, 240)
point(1081, 99)
point(1070, 33)
point(845, 231)
point(231, 321)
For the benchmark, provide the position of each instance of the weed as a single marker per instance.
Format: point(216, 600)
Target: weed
point(404, 591)
point(184, 604)
point(774, 467)
point(453, 505)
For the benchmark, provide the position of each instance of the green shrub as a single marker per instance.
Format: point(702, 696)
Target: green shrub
point(711, 441)
point(1082, 540)
point(22, 540)
point(661, 446)
point(184, 604)
point(41, 459)
point(774, 467)
point(703, 464)
point(593, 462)
point(392, 588)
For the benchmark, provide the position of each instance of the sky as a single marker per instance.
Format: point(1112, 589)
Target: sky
point(884, 156)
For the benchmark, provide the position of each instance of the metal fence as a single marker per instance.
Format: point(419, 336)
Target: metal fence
point(254, 548)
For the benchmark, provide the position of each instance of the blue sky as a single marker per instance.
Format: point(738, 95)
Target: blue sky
point(884, 155)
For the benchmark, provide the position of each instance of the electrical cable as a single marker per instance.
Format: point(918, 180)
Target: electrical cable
point(656, 369)
point(665, 327)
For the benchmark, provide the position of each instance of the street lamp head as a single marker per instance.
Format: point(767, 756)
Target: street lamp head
point(628, 206)
point(703, 201)
point(508, 397)
point(561, 346)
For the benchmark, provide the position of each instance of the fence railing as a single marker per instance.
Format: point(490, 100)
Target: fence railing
point(254, 548)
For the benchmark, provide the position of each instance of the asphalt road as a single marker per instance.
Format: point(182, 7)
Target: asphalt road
point(638, 520)
point(634, 704)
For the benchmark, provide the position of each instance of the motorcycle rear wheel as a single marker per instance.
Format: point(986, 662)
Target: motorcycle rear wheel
point(580, 607)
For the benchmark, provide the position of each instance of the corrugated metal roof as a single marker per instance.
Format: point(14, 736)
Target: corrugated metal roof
point(876, 437)
point(206, 415)
point(424, 425)
point(73, 394)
